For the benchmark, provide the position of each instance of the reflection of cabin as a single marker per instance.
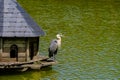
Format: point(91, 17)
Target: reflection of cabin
point(19, 34)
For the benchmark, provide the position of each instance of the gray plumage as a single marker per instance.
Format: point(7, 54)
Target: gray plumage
point(54, 46)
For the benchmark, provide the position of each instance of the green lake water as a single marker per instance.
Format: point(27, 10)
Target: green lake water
point(91, 44)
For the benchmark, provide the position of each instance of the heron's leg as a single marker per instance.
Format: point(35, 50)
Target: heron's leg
point(50, 54)
point(56, 51)
point(53, 56)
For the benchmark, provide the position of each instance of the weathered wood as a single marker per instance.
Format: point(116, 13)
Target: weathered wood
point(25, 49)
point(38, 47)
point(5, 55)
point(44, 63)
point(21, 55)
point(37, 63)
point(37, 58)
point(15, 41)
point(38, 66)
point(18, 44)
point(7, 60)
point(1, 42)
point(32, 66)
point(23, 45)
point(20, 49)
point(27, 52)
point(21, 59)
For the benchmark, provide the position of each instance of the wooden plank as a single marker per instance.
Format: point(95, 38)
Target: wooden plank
point(15, 40)
point(20, 49)
point(21, 55)
point(38, 47)
point(12, 59)
point(8, 60)
point(21, 59)
point(36, 59)
point(1, 42)
point(6, 49)
point(27, 52)
point(5, 55)
point(44, 63)
point(18, 44)
point(12, 41)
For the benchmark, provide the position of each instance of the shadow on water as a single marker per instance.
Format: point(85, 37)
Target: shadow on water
point(9, 72)
point(18, 72)
point(30, 74)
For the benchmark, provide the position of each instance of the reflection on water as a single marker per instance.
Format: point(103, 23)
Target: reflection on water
point(91, 46)
point(28, 75)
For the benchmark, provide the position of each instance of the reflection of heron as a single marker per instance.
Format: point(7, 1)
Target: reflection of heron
point(54, 45)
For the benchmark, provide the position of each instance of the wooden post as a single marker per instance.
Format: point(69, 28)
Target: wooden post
point(27, 52)
point(1, 42)
point(38, 45)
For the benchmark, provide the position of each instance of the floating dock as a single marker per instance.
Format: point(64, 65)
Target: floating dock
point(37, 63)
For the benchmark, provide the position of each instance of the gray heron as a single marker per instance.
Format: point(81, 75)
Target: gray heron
point(54, 46)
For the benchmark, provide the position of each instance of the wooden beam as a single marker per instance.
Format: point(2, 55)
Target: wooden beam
point(27, 52)
point(1, 42)
point(38, 42)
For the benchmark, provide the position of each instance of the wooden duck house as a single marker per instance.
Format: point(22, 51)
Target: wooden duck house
point(19, 35)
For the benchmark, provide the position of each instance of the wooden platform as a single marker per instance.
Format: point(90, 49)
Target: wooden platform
point(37, 63)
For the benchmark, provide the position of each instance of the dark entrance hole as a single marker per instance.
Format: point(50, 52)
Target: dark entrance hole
point(14, 51)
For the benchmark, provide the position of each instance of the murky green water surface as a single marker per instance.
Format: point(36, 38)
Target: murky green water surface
point(91, 43)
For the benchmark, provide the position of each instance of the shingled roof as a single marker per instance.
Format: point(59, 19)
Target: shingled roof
point(15, 22)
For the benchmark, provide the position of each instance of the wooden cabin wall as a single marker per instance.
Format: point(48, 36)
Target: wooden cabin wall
point(35, 43)
point(20, 42)
point(0, 48)
point(24, 48)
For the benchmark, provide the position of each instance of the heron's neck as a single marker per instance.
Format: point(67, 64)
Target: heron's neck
point(59, 42)
point(59, 38)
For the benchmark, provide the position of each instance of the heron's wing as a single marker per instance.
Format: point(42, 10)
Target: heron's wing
point(53, 45)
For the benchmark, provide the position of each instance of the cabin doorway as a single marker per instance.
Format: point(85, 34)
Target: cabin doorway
point(31, 51)
point(14, 51)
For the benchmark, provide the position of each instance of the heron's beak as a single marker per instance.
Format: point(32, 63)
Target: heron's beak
point(61, 35)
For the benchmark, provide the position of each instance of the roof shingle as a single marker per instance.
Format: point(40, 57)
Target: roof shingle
point(15, 22)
